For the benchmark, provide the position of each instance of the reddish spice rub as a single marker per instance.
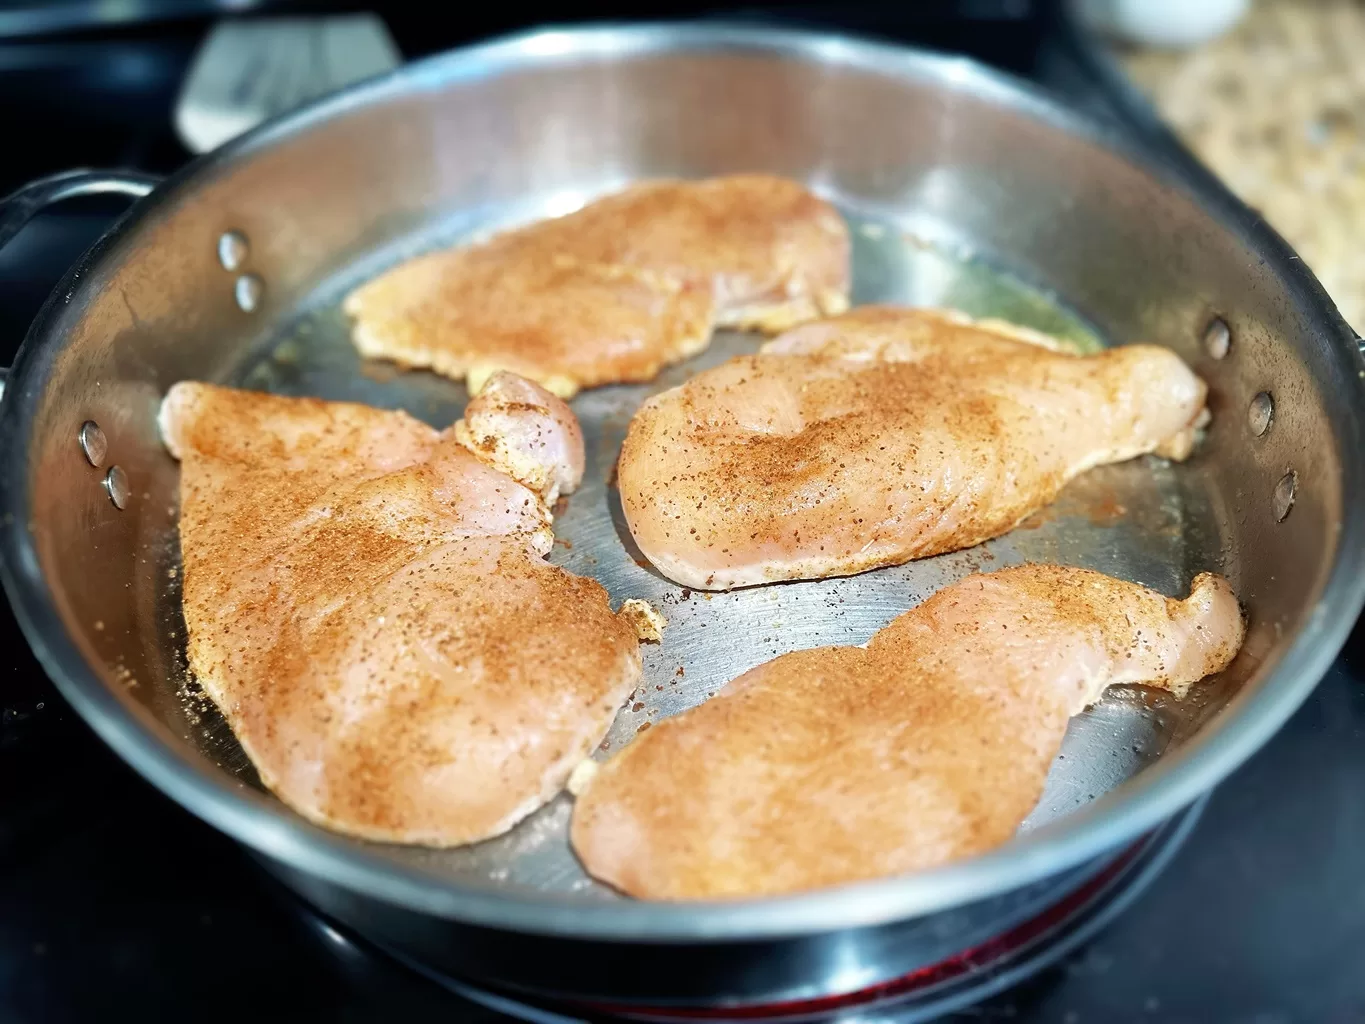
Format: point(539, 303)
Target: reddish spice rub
point(880, 436)
point(930, 744)
point(616, 291)
point(368, 606)
point(770, 253)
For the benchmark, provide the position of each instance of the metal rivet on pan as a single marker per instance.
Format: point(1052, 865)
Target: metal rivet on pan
point(116, 483)
point(1284, 495)
point(1260, 413)
point(232, 250)
point(93, 443)
point(248, 291)
point(1217, 338)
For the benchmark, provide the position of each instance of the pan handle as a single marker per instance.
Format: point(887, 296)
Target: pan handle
point(25, 203)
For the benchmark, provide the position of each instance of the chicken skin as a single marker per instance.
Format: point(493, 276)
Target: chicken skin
point(368, 605)
point(930, 744)
point(880, 436)
point(616, 291)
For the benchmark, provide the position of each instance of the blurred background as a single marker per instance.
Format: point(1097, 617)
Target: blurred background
point(1267, 93)
point(115, 905)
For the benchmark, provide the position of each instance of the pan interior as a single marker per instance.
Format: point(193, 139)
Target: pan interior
point(1146, 521)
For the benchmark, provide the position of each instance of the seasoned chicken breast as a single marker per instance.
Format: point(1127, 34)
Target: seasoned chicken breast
point(368, 606)
point(880, 436)
point(520, 304)
point(930, 744)
point(617, 290)
point(771, 253)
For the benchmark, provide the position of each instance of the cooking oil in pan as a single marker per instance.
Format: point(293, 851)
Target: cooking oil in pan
point(894, 266)
point(313, 355)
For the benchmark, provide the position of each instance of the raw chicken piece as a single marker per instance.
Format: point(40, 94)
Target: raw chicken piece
point(772, 253)
point(617, 290)
point(880, 436)
point(517, 427)
point(931, 744)
point(519, 303)
point(367, 605)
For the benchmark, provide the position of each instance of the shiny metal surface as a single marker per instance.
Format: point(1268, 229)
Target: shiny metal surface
point(1217, 338)
point(963, 188)
point(117, 487)
point(721, 971)
point(233, 249)
point(94, 445)
point(1286, 490)
point(926, 990)
point(247, 289)
point(1261, 412)
point(19, 207)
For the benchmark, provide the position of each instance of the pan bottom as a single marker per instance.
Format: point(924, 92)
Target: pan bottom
point(923, 993)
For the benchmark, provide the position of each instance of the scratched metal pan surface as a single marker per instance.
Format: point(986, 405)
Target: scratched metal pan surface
point(961, 187)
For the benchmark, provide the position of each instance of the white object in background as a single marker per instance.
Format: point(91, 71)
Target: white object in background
point(248, 71)
point(1171, 24)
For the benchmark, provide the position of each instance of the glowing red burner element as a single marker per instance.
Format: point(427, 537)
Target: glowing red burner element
point(992, 951)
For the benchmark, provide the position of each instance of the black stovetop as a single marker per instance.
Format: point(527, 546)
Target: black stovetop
point(117, 905)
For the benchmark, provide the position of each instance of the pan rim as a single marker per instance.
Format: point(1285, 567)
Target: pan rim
point(262, 823)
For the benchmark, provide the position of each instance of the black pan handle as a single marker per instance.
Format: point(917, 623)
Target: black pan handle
point(25, 203)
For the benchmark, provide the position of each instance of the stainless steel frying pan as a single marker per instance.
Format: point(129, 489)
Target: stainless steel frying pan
point(963, 188)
